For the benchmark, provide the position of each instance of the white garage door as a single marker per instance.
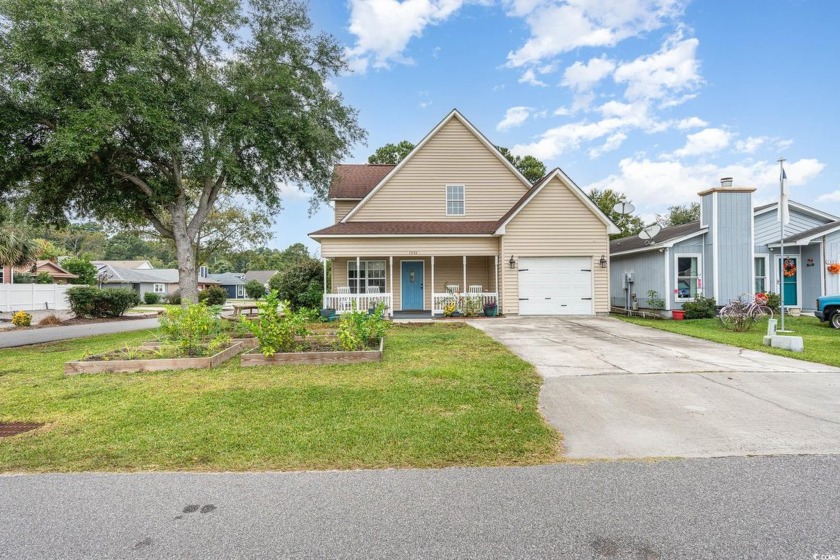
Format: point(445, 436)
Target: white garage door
point(555, 286)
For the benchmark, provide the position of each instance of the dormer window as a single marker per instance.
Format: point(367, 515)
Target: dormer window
point(454, 200)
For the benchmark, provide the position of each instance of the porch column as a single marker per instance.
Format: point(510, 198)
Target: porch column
point(496, 282)
point(433, 285)
point(358, 276)
point(465, 274)
point(391, 276)
point(325, 275)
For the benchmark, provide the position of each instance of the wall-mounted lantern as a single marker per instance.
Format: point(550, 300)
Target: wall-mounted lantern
point(603, 261)
point(512, 262)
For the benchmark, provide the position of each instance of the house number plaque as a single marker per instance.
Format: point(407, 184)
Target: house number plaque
point(414, 252)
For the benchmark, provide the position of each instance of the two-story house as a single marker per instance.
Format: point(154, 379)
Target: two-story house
point(455, 217)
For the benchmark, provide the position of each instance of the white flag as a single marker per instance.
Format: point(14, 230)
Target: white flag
point(783, 214)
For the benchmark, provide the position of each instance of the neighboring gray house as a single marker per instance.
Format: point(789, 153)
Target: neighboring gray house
point(733, 250)
point(261, 276)
point(232, 282)
point(162, 281)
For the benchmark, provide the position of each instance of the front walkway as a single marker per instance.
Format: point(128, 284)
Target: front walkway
point(617, 390)
point(53, 334)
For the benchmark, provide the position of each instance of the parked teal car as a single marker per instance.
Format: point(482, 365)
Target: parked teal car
point(828, 309)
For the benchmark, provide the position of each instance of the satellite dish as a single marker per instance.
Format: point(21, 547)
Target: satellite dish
point(649, 233)
point(624, 208)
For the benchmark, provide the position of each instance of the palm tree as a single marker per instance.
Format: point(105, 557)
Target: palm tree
point(16, 248)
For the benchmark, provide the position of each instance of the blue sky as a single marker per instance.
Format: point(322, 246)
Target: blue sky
point(655, 98)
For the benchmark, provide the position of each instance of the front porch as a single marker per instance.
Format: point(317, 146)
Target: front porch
point(419, 285)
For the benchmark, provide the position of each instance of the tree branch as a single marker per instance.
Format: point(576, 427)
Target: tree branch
point(136, 181)
point(209, 194)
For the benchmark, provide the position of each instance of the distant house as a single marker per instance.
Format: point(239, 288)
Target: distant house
point(261, 276)
point(734, 249)
point(131, 265)
point(58, 274)
point(232, 282)
point(162, 281)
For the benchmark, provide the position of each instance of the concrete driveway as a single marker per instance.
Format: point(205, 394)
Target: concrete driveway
point(617, 390)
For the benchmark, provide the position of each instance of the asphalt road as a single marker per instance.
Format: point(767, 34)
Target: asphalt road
point(759, 507)
point(11, 339)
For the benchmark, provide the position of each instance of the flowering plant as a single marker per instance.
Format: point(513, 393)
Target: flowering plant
point(761, 298)
point(789, 268)
point(834, 268)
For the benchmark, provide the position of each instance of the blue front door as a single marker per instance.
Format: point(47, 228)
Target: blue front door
point(412, 285)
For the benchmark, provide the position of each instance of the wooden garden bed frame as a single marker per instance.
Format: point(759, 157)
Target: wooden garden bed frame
point(152, 364)
point(256, 358)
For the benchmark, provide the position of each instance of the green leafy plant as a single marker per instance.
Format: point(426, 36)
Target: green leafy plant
point(700, 308)
point(22, 319)
point(213, 295)
point(83, 268)
point(301, 283)
point(87, 301)
point(192, 328)
point(358, 330)
point(276, 326)
point(174, 298)
point(774, 301)
point(44, 278)
point(151, 298)
point(654, 301)
point(473, 306)
point(254, 289)
point(449, 308)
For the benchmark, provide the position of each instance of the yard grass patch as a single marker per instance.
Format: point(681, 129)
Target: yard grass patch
point(821, 341)
point(444, 394)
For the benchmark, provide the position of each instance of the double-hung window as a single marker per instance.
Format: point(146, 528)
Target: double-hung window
point(455, 200)
point(688, 276)
point(159, 288)
point(371, 274)
point(240, 291)
point(760, 274)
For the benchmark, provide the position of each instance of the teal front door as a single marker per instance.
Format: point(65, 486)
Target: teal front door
point(791, 265)
point(412, 285)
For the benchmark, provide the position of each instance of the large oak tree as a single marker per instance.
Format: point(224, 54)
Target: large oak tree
point(149, 111)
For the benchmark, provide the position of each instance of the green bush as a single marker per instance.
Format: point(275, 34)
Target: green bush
point(654, 301)
point(276, 333)
point(87, 301)
point(700, 308)
point(254, 289)
point(214, 295)
point(174, 298)
point(300, 283)
point(189, 328)
point(774, 301)
point(82, 268)
point(22, 278)
point(151, 298)
point(44, 278)
point(359, 330)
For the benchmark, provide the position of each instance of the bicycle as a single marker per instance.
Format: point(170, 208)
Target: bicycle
point(739, 315)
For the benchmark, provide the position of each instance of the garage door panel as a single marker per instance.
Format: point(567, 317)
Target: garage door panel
point(555, 286)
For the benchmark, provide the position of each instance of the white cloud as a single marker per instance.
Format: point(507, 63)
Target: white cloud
point(613, 143)
point(673, 69)
point(829, 197)
point(561, 112)
point(530, 77)
point(383, 28)
point(583, 77)
point(561, 26)
point(707, 141)
point(290, 193)
point(691, 122)
point(514, 117)
point(751, 144)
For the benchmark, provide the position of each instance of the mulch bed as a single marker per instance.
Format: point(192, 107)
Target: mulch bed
point(14, 428)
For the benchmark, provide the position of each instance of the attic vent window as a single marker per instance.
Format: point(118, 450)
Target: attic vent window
point(454, 200)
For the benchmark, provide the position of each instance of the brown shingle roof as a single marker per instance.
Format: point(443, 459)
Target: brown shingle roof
point(408, 228)
point(618, 246)
point(356, 180)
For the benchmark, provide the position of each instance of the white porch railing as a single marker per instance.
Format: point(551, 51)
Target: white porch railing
point(342, 303)
point(440, 300)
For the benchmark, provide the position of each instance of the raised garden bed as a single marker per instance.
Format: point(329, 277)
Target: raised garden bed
point(256, 358)
point(110, 363)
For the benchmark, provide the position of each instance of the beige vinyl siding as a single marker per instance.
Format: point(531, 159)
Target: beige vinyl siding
point(556, 224)
point(453, 156)
point(422, 246)
point(342, 207)
point(450, 270)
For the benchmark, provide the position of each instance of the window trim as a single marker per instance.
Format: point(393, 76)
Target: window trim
point(155, 288)
point(766, 259)
point(384, 277)
point(240, 290)
point(699, 257)
point(463, 198)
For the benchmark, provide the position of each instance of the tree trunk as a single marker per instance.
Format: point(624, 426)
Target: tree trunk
point(185, 250)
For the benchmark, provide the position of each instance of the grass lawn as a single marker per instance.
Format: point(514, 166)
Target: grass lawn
point(445, 394)
point(821, 341)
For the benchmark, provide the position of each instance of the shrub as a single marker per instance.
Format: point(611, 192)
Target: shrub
point(49, 320)
point(700, 308)
point(358, 330)
point(276, 333)
point(214, 295)
point(472, 306)
point(300, 283)
point(21, 319)
point(254, 289)
point(87, 301)
point(151, 298)
point(174, 298)
point(22, 278)
point(82, 268)
point(774, 301)
point(44, 278)
point(654, 301)
point(190, 327)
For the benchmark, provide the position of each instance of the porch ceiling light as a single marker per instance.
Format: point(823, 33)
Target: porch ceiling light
point(512, 262)
point(603, 261)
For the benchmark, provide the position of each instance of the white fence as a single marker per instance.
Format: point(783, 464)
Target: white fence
point(33, 297)
point(440, 300)
point(342, 303)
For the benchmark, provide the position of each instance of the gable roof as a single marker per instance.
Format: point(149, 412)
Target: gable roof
point(665, 238)
point(571, 185)
point(228, 278)
point(260, 275)
point(120, 275)
point(408, 228)
point(807, 236)
point(355, 180)
point(131, 265)
point(42, 266)
point(797, 206)
point(454, 114)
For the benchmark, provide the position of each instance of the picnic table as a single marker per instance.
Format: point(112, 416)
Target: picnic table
point(248, 309)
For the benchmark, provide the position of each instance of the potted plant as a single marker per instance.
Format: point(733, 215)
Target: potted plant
point(678, 314)
point(491, 309)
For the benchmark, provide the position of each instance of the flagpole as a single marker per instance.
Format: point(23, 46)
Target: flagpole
point(782, 228)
